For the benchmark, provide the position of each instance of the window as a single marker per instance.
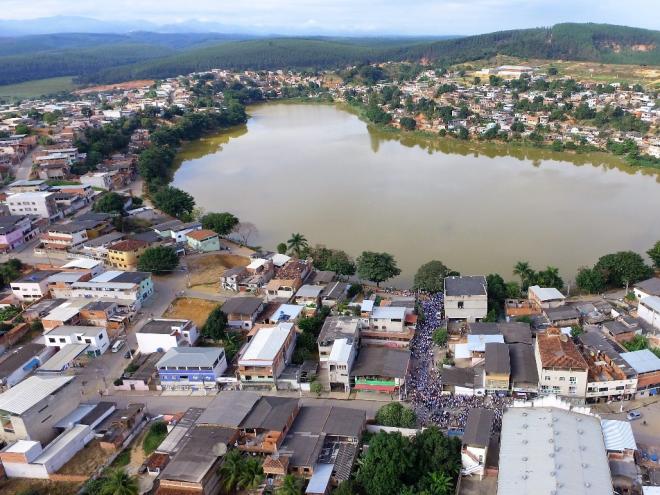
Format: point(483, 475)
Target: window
point(562, 378)
point(460, 304)
point(572, 390)
point(547, 378)
point(572, 379)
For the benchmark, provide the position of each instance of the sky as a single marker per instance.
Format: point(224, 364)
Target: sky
point(407, 17)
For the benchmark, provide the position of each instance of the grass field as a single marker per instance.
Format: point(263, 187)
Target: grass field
point(34, 89)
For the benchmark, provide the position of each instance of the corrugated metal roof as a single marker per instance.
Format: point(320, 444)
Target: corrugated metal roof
point(190, 356)
point(30, 392)
point(63, 357)
point(618, 435)
point(643, 361)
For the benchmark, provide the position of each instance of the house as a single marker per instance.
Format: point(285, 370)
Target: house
point(119, 425)
point(32, 286)
point(497, 369)
point(562, 316)
point(230, 278)
point(62, 281)
point(41, 204)
point(647, 366)
point(308, 295)
point(203, 240)
point(512, 332)
point(338, 344)
point(95, 337)
point(381, 369)
point(21, 186)
point(16, 230)
point(334, 293)
point(126, 254)
point(524, 374)
point(610, 376)
point(646, 288)
point(99, 180)
point(649, 310)
point(19, 363)
point(622, 329)
point(161, 335)
point(281, 313)
point(127, 289)
point(545, 297)
point(191, 368)
point(464, 381)
point(266, 425)
point(264, 357)
point(242, 312)
point(94, 267)
point(475, 441)
point(533, 461)
point(176, 229)
point(288, 279)
point(31, 409)
point(466, 298)
point(561, 367)
point(474, 348)
point(387, 326)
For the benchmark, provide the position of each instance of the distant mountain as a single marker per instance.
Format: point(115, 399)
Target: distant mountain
point(70, 24)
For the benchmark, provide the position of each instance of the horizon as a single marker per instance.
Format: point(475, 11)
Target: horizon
point(418, 18)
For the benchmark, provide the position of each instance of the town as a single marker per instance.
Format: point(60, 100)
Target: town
point(151, 346)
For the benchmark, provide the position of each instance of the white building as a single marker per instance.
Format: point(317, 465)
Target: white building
point(466, 298)
point(545, 297)
point(649, 310)
point(32, 286)
point(95, 337)
point(561, 367)
point(646, 288)
point(186, 368)
point(161, 335)
point(101, 180)
point(338, 343)
point(41, 204)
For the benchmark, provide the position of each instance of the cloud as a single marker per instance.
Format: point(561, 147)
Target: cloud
point(367, 16)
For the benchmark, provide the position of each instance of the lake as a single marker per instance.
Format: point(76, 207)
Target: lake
point(321, 171)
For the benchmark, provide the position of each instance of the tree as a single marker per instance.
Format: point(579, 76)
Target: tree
point(525, 272)
point(654, 254)
point(430, 276)
point(576, 331)
point(384, 465)
point(637, 343)
point(252, 474)
point(109, 202)
point(496, 292)
point(440, 483)
point(230, 471)
point(512, 290)
point(434, 452)
point(549, 278)
point(220, 223)
point(395, 414)
point(440, 336)
point(120, 483)
point(174, 201)
point(291, 485)
point(297, 244)
point(282, 248)
point(377, 267)
point(316, 388)
point(245, 231)
point(346, 488)
point(623, 268)
point(408, 123)
point(158, 260)
point(216, 325)
point(590, 280)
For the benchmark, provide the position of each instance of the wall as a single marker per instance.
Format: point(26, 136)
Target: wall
point(474, 307)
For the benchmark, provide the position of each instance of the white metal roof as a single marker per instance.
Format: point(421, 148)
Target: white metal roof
point(84, 263)
point(367, 305)
point(64, 311)
point(618, 435)
point(341, 351)
point(265, 345)
point(651, 302)
point(551, 450)
point(30, 392)
point(88, 330)
point(477, 343)
point(309, 291)
point(643, 361)
point(280, 259)
point(388, 312)
point(190, 356)
point(63, 357)
point(256, 263)
point(546, 293)
point(320, 479)
point(287, 312)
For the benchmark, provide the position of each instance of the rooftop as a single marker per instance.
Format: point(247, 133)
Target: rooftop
point(389, 313)
point(497, 358)
point(265, 345)
point(242, 305)
point(17, 358)
point(270, 413)
point(513, 332)
point(190, 356)
point(478, 426)
point(162, 326)
point(523, 364)
point(229, 408)
point(336, 327)
point(31, 391)
point(309, 291)
point(331, 420)
point(558, 351)
point(618, 435)
point(201, 235)
point(651, 302)
point(465, 286)
point(643, 361)
point(381, 361)
point(651, 286)
point(128, 245)
point(545, 294)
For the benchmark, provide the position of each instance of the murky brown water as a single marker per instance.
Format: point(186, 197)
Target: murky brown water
point(318, 170)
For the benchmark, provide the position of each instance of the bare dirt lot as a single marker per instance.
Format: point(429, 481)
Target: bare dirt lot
point(16, 486)
point(88, 460)
point(112, 87)
point(187, 308)
point(205, 270)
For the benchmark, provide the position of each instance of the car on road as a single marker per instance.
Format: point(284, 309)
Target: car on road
point(117, 345)
point(633, 415)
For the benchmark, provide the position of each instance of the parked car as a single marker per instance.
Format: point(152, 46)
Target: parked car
point(633, 415)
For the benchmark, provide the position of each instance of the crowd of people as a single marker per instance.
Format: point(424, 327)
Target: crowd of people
point(424, 385)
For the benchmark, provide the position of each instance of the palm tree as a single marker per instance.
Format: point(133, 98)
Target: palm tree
point(297, 244)
point(525, 272)
point(290, 486)
point(231, 470)
point(440, 483)
point(252, 475)
point(120, 483)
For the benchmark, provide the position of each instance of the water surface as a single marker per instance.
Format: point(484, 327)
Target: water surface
point(319, 170)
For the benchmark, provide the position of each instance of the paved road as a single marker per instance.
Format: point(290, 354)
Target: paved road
point(23, 169)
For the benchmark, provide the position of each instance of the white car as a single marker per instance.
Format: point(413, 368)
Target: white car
point(633, 415)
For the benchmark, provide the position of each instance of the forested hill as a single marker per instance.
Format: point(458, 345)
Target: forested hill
point(103, 58)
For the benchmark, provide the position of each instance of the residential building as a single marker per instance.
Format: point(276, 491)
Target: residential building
point(126, 254)
point(161, 335)
point(242, 312)
point(381, 369)
point(32, 286)
point(308, 295)
point(387, 326)
point(266, 425)
point(31, 409)
point(203, 240)
point(16, 230)
point(41, 204)
point(18, 363)
point(94, 267)
point(230, 278)
point(264, 357)
point(545, 297)
point(623, 329)
point(545, 446)
point(281, 313)
point(338, 343)
point(466, 298)
point(176, 229)
point(475, 441)
point(524, 374)
point(648, 310)
point(497, 369)
point(95, 337)
point(100, 180)
point(334, 293)
point(191, 368)
point(561, 368)
point(512, 332)
point(647, 366)
point(646, 288)
point(288, 278)
point(127, 289)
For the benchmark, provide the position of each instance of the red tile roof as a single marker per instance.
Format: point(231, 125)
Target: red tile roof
point(128, 245)
point(200, 235)
point(559, 351)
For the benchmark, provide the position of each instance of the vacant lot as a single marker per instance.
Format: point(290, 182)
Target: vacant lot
point(87, 460)
point(205, 270)
point(19, 486)
point(128, 85)
point(188, 308)
point(34, 89)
